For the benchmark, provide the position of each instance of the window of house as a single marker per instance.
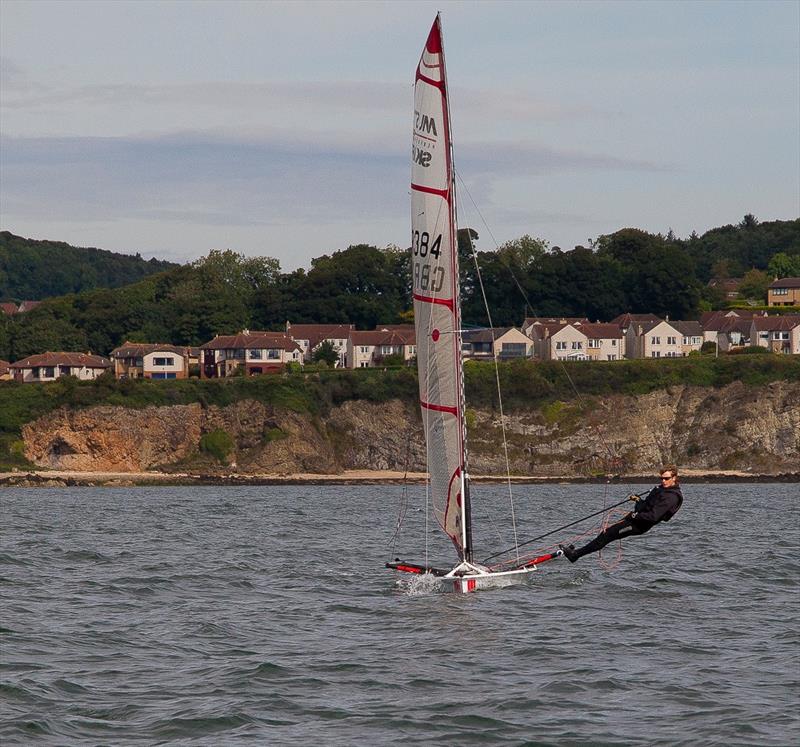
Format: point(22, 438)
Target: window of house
point(655, 340)
point(255, 355)
point(364, 349)
point(364, 364)
point(561, 345)
point(613, 343)
point(516, 349)
point(577, 345)
point(763, 335)
point(672, 340)
point(163, 361)
point(594, 343)
point(48, 372)
point(655, 354)
point(273, 354)
point(781, 291)
point(238, 354)
point(138, 362)
point(611, 357)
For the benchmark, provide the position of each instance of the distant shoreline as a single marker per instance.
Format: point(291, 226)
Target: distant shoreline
point(57, 478)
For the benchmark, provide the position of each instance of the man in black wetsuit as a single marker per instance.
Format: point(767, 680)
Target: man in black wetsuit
point(661, 504)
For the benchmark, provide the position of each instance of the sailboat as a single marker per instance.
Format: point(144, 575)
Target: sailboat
point(437, 319)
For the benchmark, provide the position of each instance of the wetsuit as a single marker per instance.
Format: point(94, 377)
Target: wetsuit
point(661, 504)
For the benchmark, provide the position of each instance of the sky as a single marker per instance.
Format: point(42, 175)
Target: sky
point(278, 129)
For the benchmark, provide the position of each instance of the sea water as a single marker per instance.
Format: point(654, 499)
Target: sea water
point(263, 615)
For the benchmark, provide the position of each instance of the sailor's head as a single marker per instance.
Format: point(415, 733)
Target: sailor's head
point(669, 475)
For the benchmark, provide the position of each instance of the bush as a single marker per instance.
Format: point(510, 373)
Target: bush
point(217, 443)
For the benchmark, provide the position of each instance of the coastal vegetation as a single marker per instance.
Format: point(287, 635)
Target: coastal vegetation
point(225, 292)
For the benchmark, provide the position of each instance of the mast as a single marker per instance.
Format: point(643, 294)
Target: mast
point(437, 307)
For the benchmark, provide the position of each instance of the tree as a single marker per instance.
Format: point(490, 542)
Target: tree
point(326, 352)
point(754, 286)
point(783, 265)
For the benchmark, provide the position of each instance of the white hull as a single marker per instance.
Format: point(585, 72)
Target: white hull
point(477, 579)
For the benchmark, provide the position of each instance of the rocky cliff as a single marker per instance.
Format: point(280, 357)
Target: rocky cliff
point(733, 428)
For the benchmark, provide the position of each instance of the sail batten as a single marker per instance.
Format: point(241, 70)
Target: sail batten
point(436, 294)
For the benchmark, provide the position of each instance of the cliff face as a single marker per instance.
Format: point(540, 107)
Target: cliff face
point(699, 428)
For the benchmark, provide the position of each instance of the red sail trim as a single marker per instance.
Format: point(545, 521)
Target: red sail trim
point(443, 193)
point(435, 83)
point(441, 301)
point(439, 408)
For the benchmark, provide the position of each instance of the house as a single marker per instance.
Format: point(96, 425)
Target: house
point(784, 292)
point(503, 342)
point(605, 341)
point(9, 308)
point(779, 334)
point(532, 321)
point(729, 287)
point(368, 348)
point(691, 336)
point(658, 339)
point(5, 372)
point(51, 366)
point(310, 336)
point(135, 360)
point(728, 328)
point(559, 341)
point(255, 352)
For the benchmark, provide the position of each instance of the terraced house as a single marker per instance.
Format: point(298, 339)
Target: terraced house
point(779, 334)
point(248, 353)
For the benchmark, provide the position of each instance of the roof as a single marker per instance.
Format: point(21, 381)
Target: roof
point(713, 320)
point(600, 330)
point(27, 306)
point(82, 360)
point(382, 337)
point(689, 328)
point(8, 308)
point(316, 333)
point(139, 349)
point(776, 323)
point(785, 283)
point(531, 320)
point(254, 340)
point(488, 334)
point(4, 367)
point(642, 328)
point(626, 319)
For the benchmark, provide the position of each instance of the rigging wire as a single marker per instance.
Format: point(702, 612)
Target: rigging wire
point(558, 529)
point(496, 375)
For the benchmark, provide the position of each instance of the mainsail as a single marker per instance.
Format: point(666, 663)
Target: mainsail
point(437, 313)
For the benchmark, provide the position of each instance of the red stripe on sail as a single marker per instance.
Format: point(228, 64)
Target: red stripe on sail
point(443, 193)
point(425, 79)
point(434, 42)
point(441, 301)
point(439, 408)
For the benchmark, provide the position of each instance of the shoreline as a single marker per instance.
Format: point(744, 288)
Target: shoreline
point(60, 478)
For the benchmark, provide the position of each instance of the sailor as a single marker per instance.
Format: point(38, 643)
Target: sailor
point(661, 504)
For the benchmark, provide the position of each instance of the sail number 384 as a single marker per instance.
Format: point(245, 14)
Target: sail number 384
point(427, 277)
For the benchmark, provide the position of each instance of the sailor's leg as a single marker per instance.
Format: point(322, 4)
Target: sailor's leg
point(616, 531)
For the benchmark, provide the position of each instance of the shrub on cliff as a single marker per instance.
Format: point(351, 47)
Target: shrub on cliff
point(217, 443)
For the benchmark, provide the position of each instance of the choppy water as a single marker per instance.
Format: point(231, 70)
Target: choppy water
point(264, 616)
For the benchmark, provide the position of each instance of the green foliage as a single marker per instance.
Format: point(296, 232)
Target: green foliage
point(326, 352)
point(754, 285)
point(783, 265)
point(218, 443)
point(32, 270)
